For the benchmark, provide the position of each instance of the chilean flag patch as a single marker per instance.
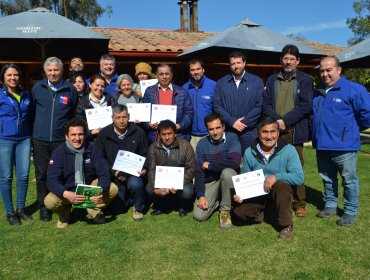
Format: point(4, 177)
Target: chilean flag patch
point(63, 100)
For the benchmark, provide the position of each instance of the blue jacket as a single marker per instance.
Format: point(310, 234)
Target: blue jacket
point(61, 169)
point(284, 163)
point(339, 115)
point(245, 101)
point(202, 99)
point(51, 110)
point(15, 118)
point(298, 118)
point(185, 111)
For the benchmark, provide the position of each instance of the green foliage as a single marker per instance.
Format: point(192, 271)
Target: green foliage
point(170, 247)
point(298, 37)
point(361, 76)
point(360, 24)
point(85, 12)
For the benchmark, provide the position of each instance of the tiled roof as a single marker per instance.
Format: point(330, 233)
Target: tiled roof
point(132, 39)
point(152, 40)
point(324, 48)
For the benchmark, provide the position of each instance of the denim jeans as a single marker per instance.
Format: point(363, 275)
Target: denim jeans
point(136, 187)
point(14, 153)
point(329, 164)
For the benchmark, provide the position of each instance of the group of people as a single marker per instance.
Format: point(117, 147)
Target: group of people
point(235, 125)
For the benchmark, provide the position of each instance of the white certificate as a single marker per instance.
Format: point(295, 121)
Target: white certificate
point(98, 117)
point(139, 111)
point(128, 162)
point(145, 84)
point(163, 112)
point(250, 184)
point(167, 177)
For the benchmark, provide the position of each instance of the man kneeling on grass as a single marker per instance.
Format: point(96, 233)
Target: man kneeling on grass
point(170, 150)
point(77, 162)
point(283, 172)
point(217, 160)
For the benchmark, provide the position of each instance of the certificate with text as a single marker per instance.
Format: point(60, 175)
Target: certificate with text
point(250, 184)
point(98, 117)
point(163, 112)
point(147, 83)
point(139, 111)
point(167, 177)
point(128, 162)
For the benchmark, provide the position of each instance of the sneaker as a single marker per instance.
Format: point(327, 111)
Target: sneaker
point(286, 233)
point(225, 220)
point(137, 216)
point(22, 215)
point(45, 214)
point(13, 219)
point(99, 219)
point(182, 212)
point(346, 220)
point(327, 212)
point(301, 212)
point(63, 219)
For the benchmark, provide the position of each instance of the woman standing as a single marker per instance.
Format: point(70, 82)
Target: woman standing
point(143, 71)
point(15, 144)
point(125, 94)
point(95, 99)
point(78, 80)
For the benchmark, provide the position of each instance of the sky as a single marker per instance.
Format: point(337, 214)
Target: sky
point(321, 21)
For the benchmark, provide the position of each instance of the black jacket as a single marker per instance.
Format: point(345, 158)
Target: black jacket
point(135, 141)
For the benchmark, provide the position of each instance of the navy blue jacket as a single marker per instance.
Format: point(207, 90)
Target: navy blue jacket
point(51, 110)
point(185, 111)
point(61, 170)
point(14, 117)
point(298, 118)
point(202, 99)
point(245, 101)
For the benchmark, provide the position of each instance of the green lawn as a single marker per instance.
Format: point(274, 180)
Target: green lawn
point(168, 247)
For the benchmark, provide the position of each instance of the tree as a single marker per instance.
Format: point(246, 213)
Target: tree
point(360, 24)
point(85, 12)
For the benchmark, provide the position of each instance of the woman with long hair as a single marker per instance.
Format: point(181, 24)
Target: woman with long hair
point(15, 143)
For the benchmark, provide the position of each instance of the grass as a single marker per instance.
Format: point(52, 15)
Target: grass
point(170, 247)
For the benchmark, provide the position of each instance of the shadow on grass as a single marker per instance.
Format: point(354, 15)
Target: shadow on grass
point(80, 215)
point(314, 197)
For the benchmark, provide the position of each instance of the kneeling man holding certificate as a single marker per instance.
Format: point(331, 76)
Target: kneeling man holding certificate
point(283, 172)
point(73, 163)
point(125, 146)
point(217, 160)
point(163, 181)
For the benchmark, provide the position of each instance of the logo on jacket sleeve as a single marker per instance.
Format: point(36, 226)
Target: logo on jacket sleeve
point(63, 100)
point(51, 161)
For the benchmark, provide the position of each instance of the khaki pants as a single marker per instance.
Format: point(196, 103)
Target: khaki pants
point(215, 189)
point(57, 205)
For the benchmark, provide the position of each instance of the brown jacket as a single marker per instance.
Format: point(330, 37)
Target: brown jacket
point(181, 155)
